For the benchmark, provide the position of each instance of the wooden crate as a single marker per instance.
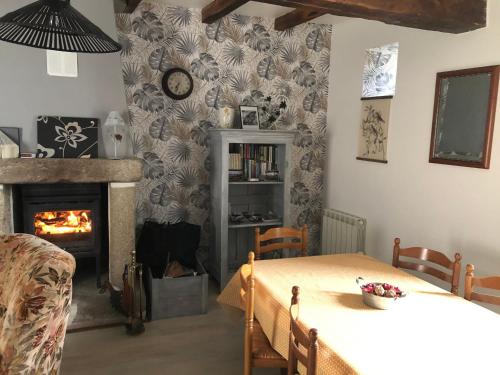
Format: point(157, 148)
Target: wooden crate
point(175, 297)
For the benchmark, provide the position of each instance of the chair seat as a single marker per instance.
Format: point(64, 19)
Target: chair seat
point(262, 351)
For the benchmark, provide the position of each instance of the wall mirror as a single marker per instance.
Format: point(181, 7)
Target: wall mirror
point(464, 117)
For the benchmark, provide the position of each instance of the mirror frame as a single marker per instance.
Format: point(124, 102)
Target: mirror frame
point(494, 70)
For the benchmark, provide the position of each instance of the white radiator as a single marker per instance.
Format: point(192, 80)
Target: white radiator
point(342, 233)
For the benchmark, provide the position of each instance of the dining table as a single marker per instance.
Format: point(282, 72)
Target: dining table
point(428, 332)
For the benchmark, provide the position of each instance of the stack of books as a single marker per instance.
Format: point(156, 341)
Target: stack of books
point(235, 167)
point(253, 162)
point(235, 162)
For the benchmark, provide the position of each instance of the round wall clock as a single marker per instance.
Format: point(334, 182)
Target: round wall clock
point(177, 83)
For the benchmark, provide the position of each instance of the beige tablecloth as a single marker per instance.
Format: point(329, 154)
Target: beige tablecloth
point(430, 332)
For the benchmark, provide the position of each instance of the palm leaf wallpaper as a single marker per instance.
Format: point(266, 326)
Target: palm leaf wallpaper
point(380, 71)
point(238, 60)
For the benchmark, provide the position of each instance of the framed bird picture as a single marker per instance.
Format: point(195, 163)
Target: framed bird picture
point(373, 132)
point(67, 137)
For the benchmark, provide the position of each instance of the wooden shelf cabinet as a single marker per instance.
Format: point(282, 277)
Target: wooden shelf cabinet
point(231, 242)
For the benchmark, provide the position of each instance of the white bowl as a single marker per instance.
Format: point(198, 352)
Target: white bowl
point(378, 302)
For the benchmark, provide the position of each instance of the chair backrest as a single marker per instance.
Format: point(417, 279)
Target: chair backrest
point(481, 282)
point(300, 338)
point(247, 294)
point(280, 239)
point(432, 256)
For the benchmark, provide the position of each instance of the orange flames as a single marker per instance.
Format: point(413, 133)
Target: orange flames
point(62, 222)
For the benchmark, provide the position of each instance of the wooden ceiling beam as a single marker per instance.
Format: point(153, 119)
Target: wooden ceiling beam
point(132, 5)
point(297, 17)
point(451, 16)
point(220, 8)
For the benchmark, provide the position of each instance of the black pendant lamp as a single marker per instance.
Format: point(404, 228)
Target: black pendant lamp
point(55, 25)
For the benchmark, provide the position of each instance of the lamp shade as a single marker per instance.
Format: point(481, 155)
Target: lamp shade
point(55, 25)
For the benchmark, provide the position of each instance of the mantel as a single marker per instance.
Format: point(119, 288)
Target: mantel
point(47, 171)
point(121, 175)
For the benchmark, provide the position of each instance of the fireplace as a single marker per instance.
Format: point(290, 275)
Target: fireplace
point(117, 216)
point(71, 216)
point(58, 224)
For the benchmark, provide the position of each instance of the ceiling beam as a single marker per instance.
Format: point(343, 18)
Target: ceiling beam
point(297, 17)
point(220, 8)
point(132, 5)
point(451, 16)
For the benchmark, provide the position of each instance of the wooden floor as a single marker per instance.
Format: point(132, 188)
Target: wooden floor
point(207, 344)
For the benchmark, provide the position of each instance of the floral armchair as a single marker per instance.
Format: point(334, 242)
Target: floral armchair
point(35, 301)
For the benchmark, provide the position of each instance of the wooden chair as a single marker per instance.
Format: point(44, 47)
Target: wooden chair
point(481, 282)
point(281, 234)
point(308, 340)
point(258, 351)
point(431, 256)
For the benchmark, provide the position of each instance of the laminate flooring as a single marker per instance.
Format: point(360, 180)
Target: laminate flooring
point(205, 344)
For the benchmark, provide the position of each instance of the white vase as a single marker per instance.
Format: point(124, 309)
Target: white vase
point(226, 117)
point(116, 137)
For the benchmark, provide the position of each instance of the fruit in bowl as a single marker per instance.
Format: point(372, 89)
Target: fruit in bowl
point(379, 295)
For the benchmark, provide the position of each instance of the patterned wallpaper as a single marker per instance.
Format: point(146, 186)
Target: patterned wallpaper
point(239, 60)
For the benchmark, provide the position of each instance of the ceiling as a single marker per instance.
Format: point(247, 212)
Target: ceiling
point(253, 8)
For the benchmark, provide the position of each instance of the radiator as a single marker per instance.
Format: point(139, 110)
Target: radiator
point(342, 233)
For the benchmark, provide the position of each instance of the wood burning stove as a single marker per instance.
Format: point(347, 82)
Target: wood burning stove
point(71, 216)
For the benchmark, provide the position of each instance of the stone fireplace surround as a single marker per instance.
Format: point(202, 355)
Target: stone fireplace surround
point(121, 177)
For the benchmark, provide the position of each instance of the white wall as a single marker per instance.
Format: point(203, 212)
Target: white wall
point(26, 91)
point(442, 207)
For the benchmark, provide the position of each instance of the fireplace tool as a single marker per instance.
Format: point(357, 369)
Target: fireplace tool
point(135, 325)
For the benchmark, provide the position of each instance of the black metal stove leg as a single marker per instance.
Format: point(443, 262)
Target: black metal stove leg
point(98, 270)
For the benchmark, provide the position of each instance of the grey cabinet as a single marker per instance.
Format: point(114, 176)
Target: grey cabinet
point(230, 241)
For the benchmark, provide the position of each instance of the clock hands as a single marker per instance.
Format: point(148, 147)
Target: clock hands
point(177, 84)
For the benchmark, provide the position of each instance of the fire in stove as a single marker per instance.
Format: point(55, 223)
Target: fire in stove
point(63, 222)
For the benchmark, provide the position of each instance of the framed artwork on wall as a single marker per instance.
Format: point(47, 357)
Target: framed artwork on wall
point(67, 137)
point(373, 132)
point(380, 71)
point(464, 117)
point(249, 118)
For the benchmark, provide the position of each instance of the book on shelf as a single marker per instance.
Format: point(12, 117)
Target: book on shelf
point(256, 162)
point(235, 162)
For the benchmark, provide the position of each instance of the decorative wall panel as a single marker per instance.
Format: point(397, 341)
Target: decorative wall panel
point(238, 60)
point(380, 71)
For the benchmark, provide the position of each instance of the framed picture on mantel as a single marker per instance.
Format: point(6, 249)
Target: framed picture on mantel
point(464, 117)
point(67, 137)
point(10, 142)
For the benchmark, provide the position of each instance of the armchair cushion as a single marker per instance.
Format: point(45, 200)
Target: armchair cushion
point(35, 301)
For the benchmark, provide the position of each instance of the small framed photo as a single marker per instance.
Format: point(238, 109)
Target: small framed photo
point(249, 118)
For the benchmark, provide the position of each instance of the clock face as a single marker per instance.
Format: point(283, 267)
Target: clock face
point(178, 84)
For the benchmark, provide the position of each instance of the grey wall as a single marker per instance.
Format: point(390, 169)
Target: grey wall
point(26, 90)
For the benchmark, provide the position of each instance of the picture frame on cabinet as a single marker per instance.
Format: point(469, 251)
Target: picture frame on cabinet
point(249, 118)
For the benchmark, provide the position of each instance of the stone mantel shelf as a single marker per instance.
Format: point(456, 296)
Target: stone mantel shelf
point(47, 171)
